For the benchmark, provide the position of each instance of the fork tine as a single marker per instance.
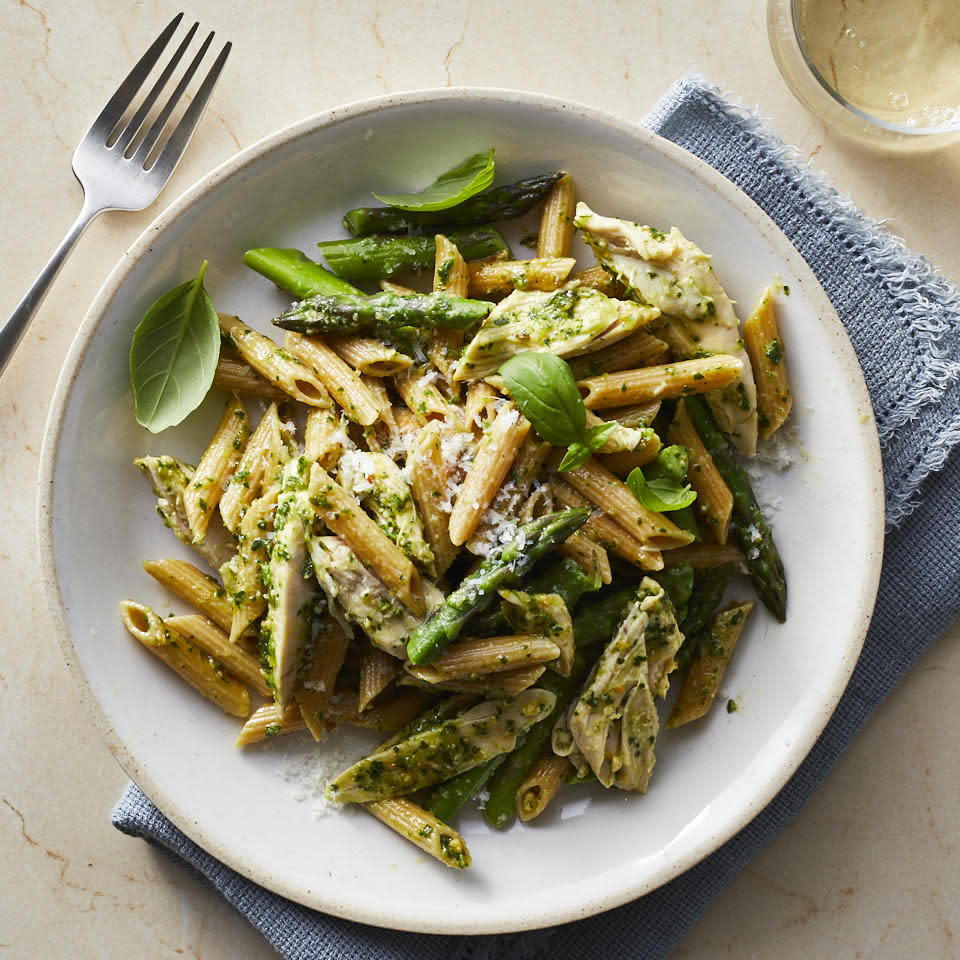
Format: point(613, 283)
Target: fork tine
point(110, 116)
point(177, 143)
point(131, 129)
point(156, 128)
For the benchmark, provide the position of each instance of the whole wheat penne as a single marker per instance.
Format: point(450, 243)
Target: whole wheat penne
point(324, 437)
point(660, 382)
point(548, 775)
point(420, 392)
point(591, 556)
point(269, 721)
point(369, 356)
point(700, 556)
point(635, 414)
point(556, 221)
point(495, 454)
point(714, 500)
point(406, 422)
point(343, 383)
point(450, 275)
point(479, 656)
point(599, 279)
point(279, 367)
point(612, 495)
point(235, 375)
point(640, 349)
point(315, 685)
point(219, 460)
point(390, 713)
point(201, 671)
point(261, 456)
point(429, 485)
point(206, 635)
point(506, 684)
point(343, 515)
point(608, 533)
point(705, 675)
point(761, 337)
point(497, 278)
point(199, 589)
point(626, 460)
point(418, 826)
point(377, 671)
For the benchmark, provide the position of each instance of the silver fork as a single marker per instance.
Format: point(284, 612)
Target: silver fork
point(111, 179)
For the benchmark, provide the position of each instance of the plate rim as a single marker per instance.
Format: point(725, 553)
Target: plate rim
point(699, 170)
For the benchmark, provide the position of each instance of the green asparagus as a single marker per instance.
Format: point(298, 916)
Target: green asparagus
point(478, 591)
point(382, 314)
point(503, 203)
point(378, 257)
point(446, 800)
point(708, 589)
point(296, 273)
point(678, 582)
point(597, 620)
point(762, 558)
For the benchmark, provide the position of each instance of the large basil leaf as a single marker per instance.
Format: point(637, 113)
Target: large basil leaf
point(174, 355)
point(450, 188)
point(579, 453)
point(543, 387)
point(660, 494)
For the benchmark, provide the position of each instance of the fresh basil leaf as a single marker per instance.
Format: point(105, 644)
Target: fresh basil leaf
point(450, 188)
point(174, 355)
point(577, 455)
point(661, 494)
point(543, 387)
point(598, 435)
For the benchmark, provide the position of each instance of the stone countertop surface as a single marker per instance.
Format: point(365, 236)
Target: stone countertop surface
point(869, 867)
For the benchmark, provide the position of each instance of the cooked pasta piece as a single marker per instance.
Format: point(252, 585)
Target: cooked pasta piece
point(545, 614)
point(235, 375)
point(635, 414)
point(343, 383)
point(481, 656)
point(219, 460)
point(481, 406)
point(541, 784)
point(591, 556)
point(714, 500)
point(597, 279)
point(213, 641)
point(391, 713)
point(325, 437)
point(495, 455)
point(265, 451)
point(369, 356)
point(640, 349)
point(706, 672)
point(199, 589)
point(201, 671)
point(660, 382)
point(343, 515)
point(496, 278)
point(418, 826)
point(315, 684)
point(289, 373)
point(700, 556)
point(612, 495)
point(377, 671)
point(506, 684)
point(420, 392)
point(269, 721)
point(556, 221)
point(450, 275)
point(429, 484)
point(761, 337)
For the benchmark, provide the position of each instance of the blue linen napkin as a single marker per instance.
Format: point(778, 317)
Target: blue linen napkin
point(904, 321)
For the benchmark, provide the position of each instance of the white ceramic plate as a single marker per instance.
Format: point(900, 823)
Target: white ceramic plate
point(595, 849)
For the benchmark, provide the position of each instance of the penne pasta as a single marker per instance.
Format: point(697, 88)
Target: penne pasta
point(556, 221)
point(764, 346)
point(269, 721)
point(660, 382)
point(377, 671)
point(421, 828)
point(276, 365)
point(591, 556)
point(480, 656)
point(450, 275)
point(368, 356)
point(325, 438)
point(506, 684)
point(705, 675)
point(597, 279)
point(634, 415)
point(640, 349)
point(343, 383)
point(429, 485)
point(316, 681)
point(219, 460)
point(548, 775)
point(626, 460)
point(235, 375)
point(261, 456)
point(420, 392)
point(200, 590)
point(714, 500)
point(495, 455)
point(497, 278)
point(201, 671)
point(701, 556)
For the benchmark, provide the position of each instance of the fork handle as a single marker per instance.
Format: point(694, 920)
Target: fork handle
point(16, 326)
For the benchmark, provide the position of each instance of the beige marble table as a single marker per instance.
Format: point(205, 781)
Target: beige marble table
point(868, 869)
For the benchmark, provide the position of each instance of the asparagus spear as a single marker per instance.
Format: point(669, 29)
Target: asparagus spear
point(597, 621)
point(503, 203)
point(478, 591)
point(678, 582)
point(501, 808)
point(377, 257)
point(763, 560)
point(382, 314)
point(708, 588)
point(447, 799)
point(295, 272)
